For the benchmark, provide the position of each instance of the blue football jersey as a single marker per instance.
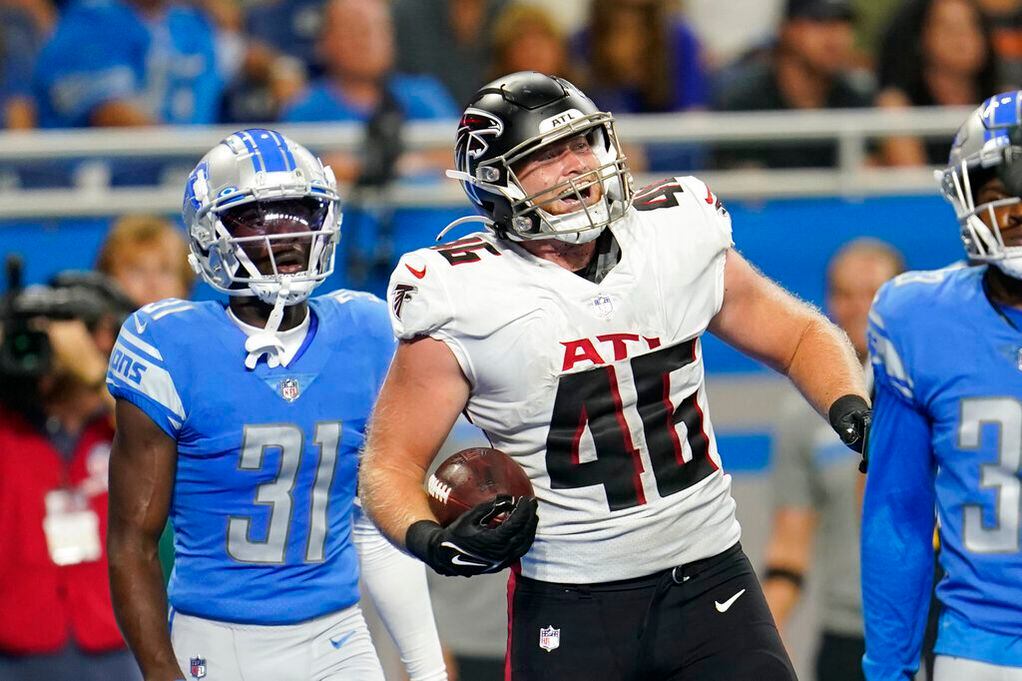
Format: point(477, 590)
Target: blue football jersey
point(104, 50)
point(946, 445)
point(267, 459)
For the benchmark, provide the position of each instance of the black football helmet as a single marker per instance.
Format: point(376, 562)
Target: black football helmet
point(513, 117)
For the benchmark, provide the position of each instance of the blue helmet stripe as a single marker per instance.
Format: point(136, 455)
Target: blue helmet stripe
point(272, 157)
point(289, 159)
point(1000, 113)
point(257, 160)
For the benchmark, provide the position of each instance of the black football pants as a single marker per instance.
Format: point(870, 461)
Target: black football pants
point(705, 621)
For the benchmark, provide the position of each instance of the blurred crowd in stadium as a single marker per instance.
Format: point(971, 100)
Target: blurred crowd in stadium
point(139, 62)
point(120, 63)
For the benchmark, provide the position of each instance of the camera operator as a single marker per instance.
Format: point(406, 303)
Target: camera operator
point(56, 619)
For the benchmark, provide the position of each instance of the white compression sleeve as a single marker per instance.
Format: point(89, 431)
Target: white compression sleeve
point(397, 584)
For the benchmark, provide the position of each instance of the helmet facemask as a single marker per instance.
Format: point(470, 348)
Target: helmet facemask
point(960, 185)
point(262, 229)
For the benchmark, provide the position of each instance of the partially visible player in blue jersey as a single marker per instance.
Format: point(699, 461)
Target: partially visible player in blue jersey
point(245, 423)
point(946, 442)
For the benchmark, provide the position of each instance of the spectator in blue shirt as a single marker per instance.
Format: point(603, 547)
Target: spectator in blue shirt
point(128, 62)
point(357, 49)
point(22, 32)
point(291, 27)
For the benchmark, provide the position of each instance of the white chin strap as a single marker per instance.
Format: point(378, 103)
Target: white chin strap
point(1010, 266)
point(266, 342)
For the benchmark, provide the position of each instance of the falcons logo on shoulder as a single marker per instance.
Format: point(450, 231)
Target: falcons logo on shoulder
point(402, 292)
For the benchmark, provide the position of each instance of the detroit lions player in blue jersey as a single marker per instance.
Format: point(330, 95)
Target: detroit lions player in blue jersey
point(245, 424)
point(947, 429)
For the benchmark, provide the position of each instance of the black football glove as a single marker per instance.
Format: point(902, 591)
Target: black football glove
point(469, 546)
point(851, 417)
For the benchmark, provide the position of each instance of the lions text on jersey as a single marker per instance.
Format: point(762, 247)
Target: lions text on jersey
point(267, 459)
point(946, 434)
point(596, 389)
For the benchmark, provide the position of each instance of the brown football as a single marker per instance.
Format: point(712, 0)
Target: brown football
point(472, 476)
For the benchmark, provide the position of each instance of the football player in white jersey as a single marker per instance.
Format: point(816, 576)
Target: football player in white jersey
point(569, 332)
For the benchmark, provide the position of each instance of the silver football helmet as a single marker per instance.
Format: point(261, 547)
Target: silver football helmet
point(257, 175)
point(988, 144)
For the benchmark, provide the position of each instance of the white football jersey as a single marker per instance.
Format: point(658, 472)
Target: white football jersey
point(595, 389)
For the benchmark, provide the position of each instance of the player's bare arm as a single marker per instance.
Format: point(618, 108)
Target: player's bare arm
point(421, 398)
point(425, 380)
point(142, 463)
point(762, 320)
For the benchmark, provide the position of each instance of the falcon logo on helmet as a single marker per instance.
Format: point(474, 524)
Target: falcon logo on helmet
point(475, 126)
point(475, 132)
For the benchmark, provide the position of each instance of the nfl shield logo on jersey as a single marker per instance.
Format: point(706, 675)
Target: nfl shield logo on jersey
point(603, 306)
point(197, 665)
point(549, 638)
point(289, 389)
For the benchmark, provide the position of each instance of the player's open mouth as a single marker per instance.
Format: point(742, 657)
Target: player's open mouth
point(290, 262)
point(571, 200)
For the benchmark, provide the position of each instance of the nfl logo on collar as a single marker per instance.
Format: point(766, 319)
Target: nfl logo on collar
point(549, 638)
point(197, 667)
point(289, 389)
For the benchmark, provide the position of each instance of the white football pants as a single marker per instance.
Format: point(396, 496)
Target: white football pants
point(329, 648)
point(959, 669)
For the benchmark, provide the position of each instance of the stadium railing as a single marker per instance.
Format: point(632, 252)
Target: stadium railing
point(852, 130)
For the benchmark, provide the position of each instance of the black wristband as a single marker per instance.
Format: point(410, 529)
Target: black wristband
point(844, 405)
point(419, 537)
point(795, 578)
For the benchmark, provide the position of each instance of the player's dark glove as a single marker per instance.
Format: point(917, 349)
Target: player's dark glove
point(851, 417)
point(469, 546)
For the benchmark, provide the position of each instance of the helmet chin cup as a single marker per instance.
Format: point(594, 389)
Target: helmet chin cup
point(1010, 266)
point(578, 227)
point(583, 237)
point(293, 291)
